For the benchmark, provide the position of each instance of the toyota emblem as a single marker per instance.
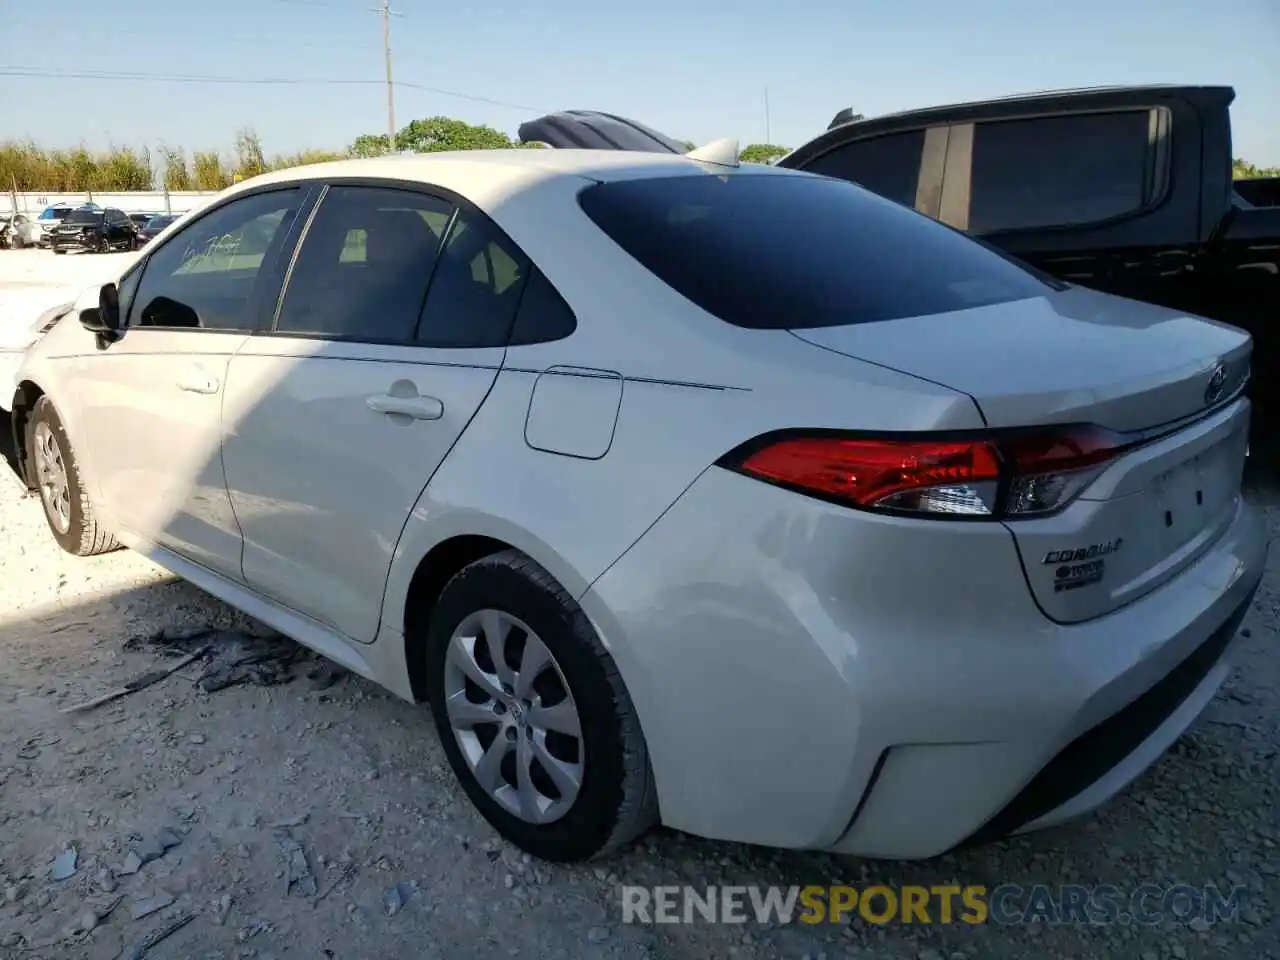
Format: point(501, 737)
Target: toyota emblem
point(1217, 385)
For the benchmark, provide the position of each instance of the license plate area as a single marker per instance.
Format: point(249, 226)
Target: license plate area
point(1189, 497)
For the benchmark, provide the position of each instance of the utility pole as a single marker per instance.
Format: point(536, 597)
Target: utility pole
point(387, 14)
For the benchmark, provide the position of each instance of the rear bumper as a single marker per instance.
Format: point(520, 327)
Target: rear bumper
point(810, 676)
point(76, 243)
point(1104, 759)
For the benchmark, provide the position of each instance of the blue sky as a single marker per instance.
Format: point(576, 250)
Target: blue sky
point(697, 70)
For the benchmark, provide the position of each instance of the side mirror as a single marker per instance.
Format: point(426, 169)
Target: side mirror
point(104, 319)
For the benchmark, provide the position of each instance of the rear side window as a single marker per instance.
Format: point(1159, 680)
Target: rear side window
point(543, 315)
point(888, 165)
point(476, 288)
point(773, 252)
point(363, 269)
point(1058, 171)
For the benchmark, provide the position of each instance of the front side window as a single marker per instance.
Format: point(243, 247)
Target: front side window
point(364, 265)
point(776, 252)
point(1058, 171)
point(127, 289)
point(887, 165)
point(205, 276)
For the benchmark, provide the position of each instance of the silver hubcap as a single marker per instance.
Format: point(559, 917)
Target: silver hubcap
point(513, 716)
point(51, 474)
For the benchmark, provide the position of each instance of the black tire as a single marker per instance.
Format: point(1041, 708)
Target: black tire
point(56, 250)
point(617, 800)
point(84, 536)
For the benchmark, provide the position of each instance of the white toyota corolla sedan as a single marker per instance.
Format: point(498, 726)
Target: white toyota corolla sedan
point(724, 496)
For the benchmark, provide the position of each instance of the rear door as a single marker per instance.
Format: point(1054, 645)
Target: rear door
point(389, 334)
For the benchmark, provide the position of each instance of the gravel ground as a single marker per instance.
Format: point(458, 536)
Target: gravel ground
point(403, 867)
point(220, 792)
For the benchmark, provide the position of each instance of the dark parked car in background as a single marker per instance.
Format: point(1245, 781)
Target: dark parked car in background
point(140, 220)
point(96, 231)
point(154, 226)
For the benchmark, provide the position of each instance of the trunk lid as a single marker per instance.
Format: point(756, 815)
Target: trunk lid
point(1080, 357)
point(1146, 518)
point(1072, 356)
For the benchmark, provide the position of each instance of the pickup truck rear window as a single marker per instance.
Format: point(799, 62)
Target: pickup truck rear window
point(778, 251)
point(888, 165)
point(1058, 171)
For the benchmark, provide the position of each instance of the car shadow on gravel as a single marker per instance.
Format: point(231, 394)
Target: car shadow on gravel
point(7, 450)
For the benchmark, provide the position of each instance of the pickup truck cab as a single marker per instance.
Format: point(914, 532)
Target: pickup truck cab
point(1124, 189)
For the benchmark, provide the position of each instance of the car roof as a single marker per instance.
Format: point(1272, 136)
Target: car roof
point(480, 174)
point(1051, 99)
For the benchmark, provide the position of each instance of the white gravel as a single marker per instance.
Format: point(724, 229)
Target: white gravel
point(403, 866)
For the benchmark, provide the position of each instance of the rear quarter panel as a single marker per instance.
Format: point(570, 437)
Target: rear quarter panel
point(576, 515)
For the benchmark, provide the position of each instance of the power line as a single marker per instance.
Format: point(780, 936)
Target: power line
point(467, 96)
point(319, 3)
point(43, 25)
point(27, 72)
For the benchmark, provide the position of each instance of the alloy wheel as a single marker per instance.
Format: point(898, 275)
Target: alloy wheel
point(513, 716)
point(51, 475)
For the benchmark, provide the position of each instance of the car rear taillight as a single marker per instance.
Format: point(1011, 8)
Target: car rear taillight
point(1009, 476)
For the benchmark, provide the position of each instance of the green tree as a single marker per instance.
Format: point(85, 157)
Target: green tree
point(174, 170)
point(249, 159)
point(122, 169)
point(762, 152)
point(1244, 170)
point(282, 161)
point(208, 172)
point(432, 134)
point(369, 145)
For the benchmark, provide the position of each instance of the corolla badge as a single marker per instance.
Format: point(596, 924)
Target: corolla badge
point(1217, 385)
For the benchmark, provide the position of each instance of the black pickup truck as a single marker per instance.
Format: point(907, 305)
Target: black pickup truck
point(1125, 189)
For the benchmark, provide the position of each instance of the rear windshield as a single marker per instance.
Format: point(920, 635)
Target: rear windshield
point(84, 216)
point(777, 252)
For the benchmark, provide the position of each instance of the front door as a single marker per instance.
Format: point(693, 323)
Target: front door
point(151, 402)
point(337, 419)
